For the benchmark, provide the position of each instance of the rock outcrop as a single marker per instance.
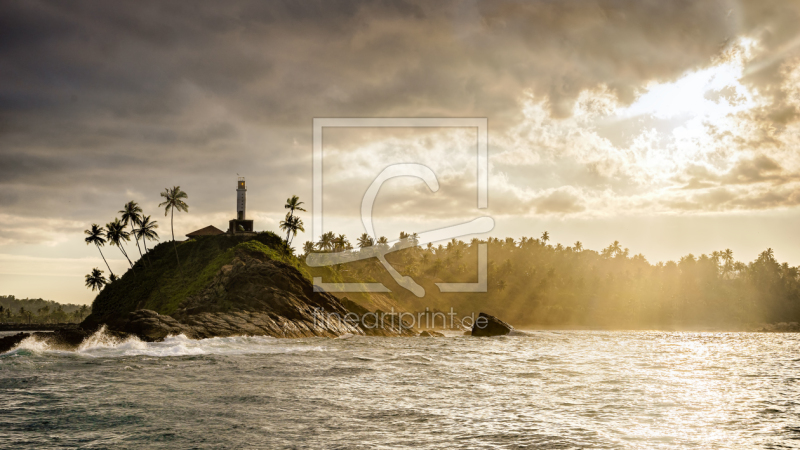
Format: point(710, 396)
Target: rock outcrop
point(60, 339)
point(431, 333)
point(9, 342)
point(487, 325)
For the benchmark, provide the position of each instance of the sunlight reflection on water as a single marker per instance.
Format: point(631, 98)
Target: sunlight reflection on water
point(550, 390)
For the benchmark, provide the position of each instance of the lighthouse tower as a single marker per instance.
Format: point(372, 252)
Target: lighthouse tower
point(241, 199)
point(240, 225)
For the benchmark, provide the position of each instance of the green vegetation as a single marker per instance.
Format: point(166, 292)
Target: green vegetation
point(36, 310)
point(533, 283)
point(162, 285)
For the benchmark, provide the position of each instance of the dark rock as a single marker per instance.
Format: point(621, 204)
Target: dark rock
point(354, 307)
point(151, 326)
point(9, 342)
point(67, 339)
point(431, 333)
point(487, 325)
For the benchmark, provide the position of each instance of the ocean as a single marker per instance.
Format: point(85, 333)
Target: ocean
point(550, 389)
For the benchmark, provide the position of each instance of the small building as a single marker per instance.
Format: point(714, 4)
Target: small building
point(210, 230)
point(240, 225)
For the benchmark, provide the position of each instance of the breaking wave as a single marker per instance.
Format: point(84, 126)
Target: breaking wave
point(103, 344)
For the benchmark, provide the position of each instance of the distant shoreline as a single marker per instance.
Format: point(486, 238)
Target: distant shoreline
point(36, 326)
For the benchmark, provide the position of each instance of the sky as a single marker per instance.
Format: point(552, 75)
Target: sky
point(673, 127)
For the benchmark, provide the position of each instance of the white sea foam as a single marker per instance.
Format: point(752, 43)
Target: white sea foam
point(103, 344)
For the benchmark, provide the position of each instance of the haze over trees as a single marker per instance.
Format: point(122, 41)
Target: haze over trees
point(37, 310)
point(535, 283)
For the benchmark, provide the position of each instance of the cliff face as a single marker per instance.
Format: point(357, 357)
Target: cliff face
point(226, 286)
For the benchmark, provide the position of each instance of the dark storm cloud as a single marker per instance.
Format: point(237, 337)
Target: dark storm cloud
point(105, 97)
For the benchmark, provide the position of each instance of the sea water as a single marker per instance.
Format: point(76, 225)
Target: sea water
point(550, 389)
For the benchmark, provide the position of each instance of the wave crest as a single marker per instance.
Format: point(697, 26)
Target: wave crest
point(104, 344)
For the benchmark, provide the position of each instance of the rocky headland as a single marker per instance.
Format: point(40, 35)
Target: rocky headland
point(223, 286)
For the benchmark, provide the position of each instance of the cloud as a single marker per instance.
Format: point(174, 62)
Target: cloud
point(101, 103)
point(560, 201)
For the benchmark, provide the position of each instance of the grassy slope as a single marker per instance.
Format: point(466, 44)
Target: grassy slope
point(162, 285)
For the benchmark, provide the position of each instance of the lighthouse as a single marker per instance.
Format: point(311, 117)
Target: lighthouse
point(241, 199)
point(240, 225)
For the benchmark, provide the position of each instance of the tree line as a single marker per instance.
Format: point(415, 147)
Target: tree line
point(532, 281)
point(37, 310)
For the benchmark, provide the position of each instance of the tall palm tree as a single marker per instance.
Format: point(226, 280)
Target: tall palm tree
point(146, 231)
point(94, 235)
point(365, 240)
point(132, 214)
point(291, 224)
point(292, 204)
point(96, 280)
point(545, 237)
point(173, 199)
point(578, 245)
point(116, 235)
point(727, 267)
point(727, 255)
point(613, 249)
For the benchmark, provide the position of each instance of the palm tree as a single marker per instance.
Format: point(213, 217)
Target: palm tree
point(501, 285)
point(173, 199)
point(382, 242)
point(116, 234)
point(365, 240)
point(291, 224)
point(132, 214)
point(94, 235)
point(146, 231)
point(615, 248)
point(96, 280)
point(292, 204)
point(578, 245)
point(727, 256)
point(341, 242)
point(545, 237)
point(308, 247)
point(326, 241)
